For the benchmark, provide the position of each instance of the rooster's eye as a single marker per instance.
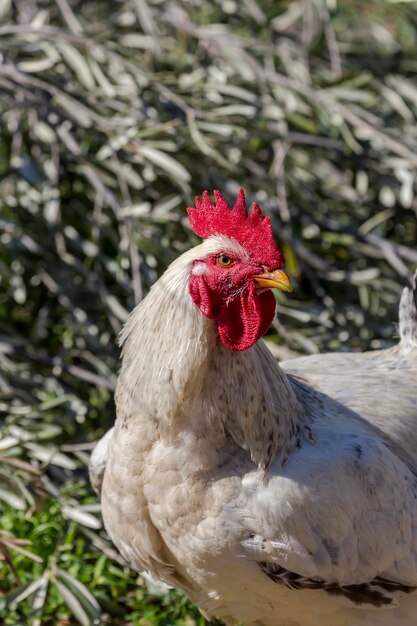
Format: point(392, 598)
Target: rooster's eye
point(224, 260)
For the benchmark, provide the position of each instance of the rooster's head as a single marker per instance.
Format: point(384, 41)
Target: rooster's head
point(232, 283)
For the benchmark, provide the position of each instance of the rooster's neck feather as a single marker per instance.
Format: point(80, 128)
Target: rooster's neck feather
point(175, 372)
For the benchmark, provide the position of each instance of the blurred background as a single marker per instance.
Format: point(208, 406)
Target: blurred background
point(114, 114)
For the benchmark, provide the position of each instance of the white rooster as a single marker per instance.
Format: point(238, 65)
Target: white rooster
point(272, 496)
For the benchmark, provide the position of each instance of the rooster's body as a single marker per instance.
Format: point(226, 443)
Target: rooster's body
point(271, 496)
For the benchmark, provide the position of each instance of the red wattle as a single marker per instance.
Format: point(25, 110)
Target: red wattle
point(246, 318)
point(202, 296)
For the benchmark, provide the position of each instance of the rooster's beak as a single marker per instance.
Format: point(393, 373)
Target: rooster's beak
point(274, 280)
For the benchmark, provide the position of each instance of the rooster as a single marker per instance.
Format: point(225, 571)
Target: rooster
point(273, 495)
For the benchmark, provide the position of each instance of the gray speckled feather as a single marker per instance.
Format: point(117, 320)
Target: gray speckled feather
point(379, 386)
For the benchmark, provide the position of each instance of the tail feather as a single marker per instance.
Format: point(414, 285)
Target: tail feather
point(98, 460)
point(408, 317)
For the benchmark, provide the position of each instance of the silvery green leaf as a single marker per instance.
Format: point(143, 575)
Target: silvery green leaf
point(245, 110)
point(135, 40)
point(78, 64)
point(54, 402)
point(44, 132)
point(8, 442)
point(135, 210)
point(50, 454)
point(39, 598)
point(12, 499)
point(75, 110)
point(81, 516)
point(396, 101)
point(165, 162)
point(364, 276)
point(74, 604)
point(18, 595)
point(83, 594)
point(18, 548)
point(37, 65)
point(237, 92)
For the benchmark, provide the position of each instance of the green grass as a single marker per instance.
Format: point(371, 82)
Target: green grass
point(71, 565)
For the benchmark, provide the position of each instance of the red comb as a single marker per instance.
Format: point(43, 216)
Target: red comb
point(253, 232)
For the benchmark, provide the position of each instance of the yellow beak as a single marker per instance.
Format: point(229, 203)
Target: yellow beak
point(274, 280)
